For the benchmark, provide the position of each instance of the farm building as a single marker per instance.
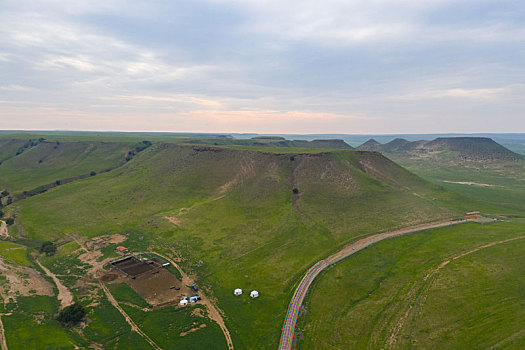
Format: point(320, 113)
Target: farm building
point(254, 294)
point(237, 291)
point(473, 215)
point(122, 250)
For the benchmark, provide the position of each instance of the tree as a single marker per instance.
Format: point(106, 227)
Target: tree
point(5, 193)
point(9, 200)
point(1, 214)
point(295, 191)
point(10, 221)
point(72, 314)
point(92, 173)
point(49, 248)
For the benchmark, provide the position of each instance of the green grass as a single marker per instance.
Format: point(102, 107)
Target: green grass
point(14, 253)
point(32, 325)
point(164, 326)
point(109, 328)
point(239, 228)
point(122, 292)
point(474, 302)
point(48, 162)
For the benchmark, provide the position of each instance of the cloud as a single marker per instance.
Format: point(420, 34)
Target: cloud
point(261, 65)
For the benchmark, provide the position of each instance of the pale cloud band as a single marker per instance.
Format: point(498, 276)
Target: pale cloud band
point(263, 66)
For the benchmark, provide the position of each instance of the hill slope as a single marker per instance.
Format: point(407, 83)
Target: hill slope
point(239, 224)
point(477, 167)
point(31, 163)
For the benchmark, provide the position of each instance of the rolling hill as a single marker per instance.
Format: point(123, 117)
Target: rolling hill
point(28, 164)
point(477, 167)
point(235, 218)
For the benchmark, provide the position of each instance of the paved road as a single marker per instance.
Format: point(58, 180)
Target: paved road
point(298, 297)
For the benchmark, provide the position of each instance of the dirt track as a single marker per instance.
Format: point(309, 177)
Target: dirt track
point(64, 295)
point(213, 312)
point(402, 319)
point(300, 293)
point(133, 325)
point(3, 342)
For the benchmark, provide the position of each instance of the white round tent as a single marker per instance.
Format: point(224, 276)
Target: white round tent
point(237, 291)
point(183, 302)
point(254, 294)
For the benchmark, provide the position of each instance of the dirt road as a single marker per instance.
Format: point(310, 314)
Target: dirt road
point(3, 342)
point(64, 295)
point(300, 293)
point(133, 325)
point(213, 312)
point(416, 289)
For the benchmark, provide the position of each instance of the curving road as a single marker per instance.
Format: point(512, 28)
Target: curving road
point(298, 297)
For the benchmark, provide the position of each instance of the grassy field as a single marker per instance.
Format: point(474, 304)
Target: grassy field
point(240, 223)
point(476, 301)
point(47, 162)
point(236, 223)
point(31, 324)
point(14, 253)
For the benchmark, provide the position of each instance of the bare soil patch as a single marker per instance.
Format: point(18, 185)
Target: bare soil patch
point(193, 330)
point(4, 233)
point(159, 288)
point(174, 220)
point(18, 284)
point(64, 295)
point(471, 183)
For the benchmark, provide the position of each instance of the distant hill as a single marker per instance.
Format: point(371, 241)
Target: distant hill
point(28, 164)
point(477, 149)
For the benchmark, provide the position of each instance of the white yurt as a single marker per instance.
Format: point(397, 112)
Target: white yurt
point(183, 302)
point(237, 291)
point(254, 294)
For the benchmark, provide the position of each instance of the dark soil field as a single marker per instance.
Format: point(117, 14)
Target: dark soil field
point(159, 288)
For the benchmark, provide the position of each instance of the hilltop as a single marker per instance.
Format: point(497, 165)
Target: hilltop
point(477, 149)
point(477, 167)
point(251, 218)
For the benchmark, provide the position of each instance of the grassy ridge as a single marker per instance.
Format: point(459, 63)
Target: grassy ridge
point(474, 302)
point(50, 161)
point(240, 223)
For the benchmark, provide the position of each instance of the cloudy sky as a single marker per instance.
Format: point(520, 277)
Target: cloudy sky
point(275, 66)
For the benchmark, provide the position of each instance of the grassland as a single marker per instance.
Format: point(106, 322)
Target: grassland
point(48, 162)
point(30, 324)
point(476, 301)
point(237, 224)
point(240, 223)
point(14, 253)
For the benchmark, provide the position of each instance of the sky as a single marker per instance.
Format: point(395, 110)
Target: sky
point(274, 66)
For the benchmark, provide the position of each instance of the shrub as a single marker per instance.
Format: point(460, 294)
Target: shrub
point(92, 173)
point(295, 191)
point(72, 314)
point(10, 221)
point(49, 248)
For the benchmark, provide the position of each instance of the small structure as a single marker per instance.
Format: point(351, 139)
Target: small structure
point(183, 302)
point(122, 250)
point(237, 291)
point(194, 288)
point(473, 215)
point(194, 299)
point(254, 294)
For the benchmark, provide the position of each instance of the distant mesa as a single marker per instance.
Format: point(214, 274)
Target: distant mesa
point(370, 145)
point(465, 148)
point(275, 138)
point(278, 141)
